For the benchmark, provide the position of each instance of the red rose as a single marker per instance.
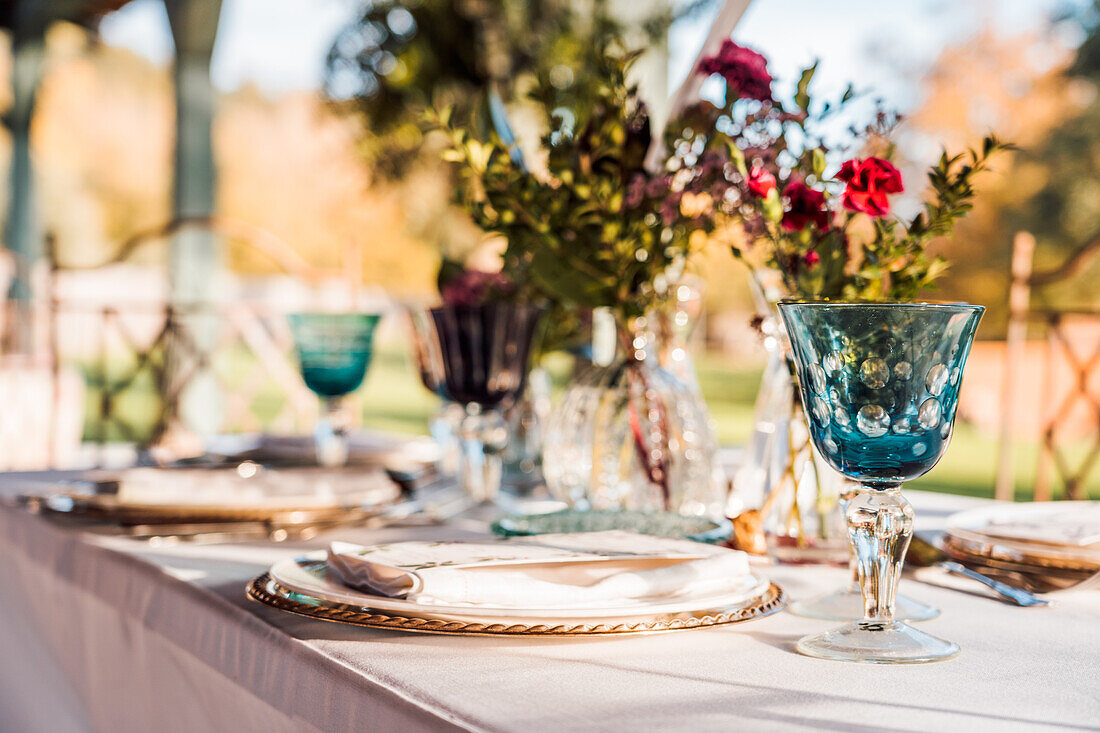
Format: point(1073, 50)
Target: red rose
point(804, 206)
point(869, 181)
point(760, 181)
point(745, 71)
point(811, 259)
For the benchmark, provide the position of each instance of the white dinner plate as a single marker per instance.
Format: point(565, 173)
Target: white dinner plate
point(310, 576)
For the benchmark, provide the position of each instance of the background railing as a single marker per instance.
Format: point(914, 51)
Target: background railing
point(101, 355)
point(1070, 402)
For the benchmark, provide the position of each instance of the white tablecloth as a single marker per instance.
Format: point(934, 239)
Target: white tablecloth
point(110, 634)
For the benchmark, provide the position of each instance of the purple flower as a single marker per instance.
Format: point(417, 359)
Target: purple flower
point(804, 206)
point(755, 226)
point(799, 116)
point(658, 186)
point(474, 287)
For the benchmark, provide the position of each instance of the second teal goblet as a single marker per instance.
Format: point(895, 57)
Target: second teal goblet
point(334, 352)
point(880, 382)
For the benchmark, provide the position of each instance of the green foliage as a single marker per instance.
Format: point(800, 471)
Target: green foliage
point(951, 184)
point(595, 228)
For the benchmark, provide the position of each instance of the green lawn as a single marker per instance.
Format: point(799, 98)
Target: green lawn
point(394, 400)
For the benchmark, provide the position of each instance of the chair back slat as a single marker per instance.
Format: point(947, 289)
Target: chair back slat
point(1072, 345)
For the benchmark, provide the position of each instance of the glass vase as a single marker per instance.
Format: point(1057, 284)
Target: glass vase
point(804, 519)
point(797, 494)
point(803, 502)
point(631, 435)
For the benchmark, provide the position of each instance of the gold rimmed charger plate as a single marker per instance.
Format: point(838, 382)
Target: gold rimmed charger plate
point(974, 533)
point(109, 510)
point(269, 592)
point(992, 555)
point(361, 495)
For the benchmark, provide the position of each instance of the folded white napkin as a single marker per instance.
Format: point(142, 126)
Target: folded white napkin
point(589, 570)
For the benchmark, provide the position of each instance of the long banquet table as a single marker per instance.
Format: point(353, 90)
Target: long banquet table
point(110, 634)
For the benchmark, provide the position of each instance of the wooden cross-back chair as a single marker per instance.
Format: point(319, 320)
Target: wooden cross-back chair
point(1058, 398)
point(168, 352)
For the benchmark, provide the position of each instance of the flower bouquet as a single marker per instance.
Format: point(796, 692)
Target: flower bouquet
point(590, 227)
point(811, 221)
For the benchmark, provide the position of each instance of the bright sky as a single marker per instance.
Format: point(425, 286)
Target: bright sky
point(280, 45)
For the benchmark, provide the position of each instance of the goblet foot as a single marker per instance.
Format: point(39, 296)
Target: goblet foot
point(846, 604)
point(877, 642)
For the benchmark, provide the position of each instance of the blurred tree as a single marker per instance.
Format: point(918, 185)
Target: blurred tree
point(288, 165)
point(401, 56)
point(1063, 210)
point(314, 194)
point(1040, 93)
point(102, 137)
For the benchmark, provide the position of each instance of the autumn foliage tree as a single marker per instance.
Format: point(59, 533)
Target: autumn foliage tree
point(1041, 94)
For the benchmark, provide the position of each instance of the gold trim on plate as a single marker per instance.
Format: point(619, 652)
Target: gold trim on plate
point(268, 592)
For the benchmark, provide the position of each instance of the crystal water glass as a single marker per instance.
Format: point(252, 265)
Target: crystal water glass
point(880, 383)
point(334, 351)
point(477, 356)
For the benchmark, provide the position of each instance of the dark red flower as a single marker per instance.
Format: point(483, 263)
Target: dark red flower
point(869, 181)
point(760, 181)
point(474, 287)
point(804, 206)
point(635, 192)
point(810, 259)
point(745, 71)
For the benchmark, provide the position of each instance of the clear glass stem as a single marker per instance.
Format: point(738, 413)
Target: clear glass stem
point(483, 436)
point(444, 428)
point(853, 581)
point(853, 565)
point(330, 436)
point(880, 525)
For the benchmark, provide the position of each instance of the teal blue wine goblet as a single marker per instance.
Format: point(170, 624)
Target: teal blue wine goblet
point(880, 382)
point(334, 351)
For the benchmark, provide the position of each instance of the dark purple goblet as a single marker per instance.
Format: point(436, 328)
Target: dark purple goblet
point(477, 355)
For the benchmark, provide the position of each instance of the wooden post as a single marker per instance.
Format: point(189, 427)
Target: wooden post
point(23, 233)
point(1019, 295)
point(688, 91)
point(1048, 416)
point(195, 260)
